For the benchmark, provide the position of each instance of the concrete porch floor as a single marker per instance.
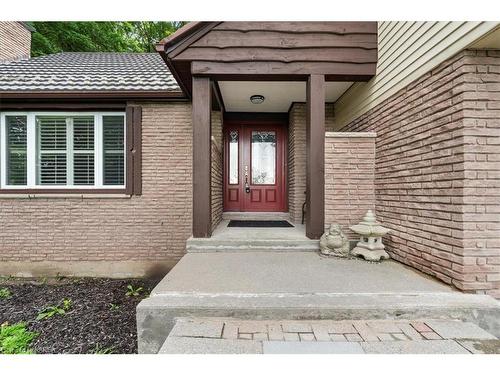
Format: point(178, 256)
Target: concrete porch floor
point(297, 273)
point(300, 285)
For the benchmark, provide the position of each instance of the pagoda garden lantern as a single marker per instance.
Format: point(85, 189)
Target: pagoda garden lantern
point(370, 245)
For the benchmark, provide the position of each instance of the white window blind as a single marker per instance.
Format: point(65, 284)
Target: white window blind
point(83, 151)
point(62, 150)
point(52, 150)
point(113, 141)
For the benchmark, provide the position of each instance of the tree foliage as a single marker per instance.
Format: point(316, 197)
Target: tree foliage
point(53, 37)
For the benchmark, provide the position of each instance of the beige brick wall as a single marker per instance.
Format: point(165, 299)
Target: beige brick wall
point(349, 178)
point(149, 229)
point(217, 169)
point(481, 195)
point(437, 171)
point(15, 41)
point(297, 157)
point(296, 161)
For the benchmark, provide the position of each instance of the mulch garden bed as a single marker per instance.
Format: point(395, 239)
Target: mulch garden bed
point(101, 317)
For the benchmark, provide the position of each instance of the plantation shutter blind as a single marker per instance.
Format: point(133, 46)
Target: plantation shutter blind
point(52, 150)
point(113, 150)
point(83, 151)
point(16, 150)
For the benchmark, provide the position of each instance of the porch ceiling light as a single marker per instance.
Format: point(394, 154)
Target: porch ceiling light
point(257, 99)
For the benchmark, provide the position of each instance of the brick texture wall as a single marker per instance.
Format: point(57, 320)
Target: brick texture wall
point(437, 178)
point(152, 227)
point(217, 169)
point(15, 41)
point(297, 157)
point(296, 161)
point(349, 178)
point(481, 194)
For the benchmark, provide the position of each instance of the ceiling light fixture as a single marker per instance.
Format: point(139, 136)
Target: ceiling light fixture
point(257, 99)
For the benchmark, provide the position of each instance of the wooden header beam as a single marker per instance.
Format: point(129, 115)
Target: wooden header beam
point(295, 71)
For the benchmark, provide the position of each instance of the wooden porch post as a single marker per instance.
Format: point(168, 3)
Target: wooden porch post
point(315, 162)
point(202, 218)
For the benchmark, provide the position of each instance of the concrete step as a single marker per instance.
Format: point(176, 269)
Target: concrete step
point(157, 315)
point(255, 216)
point(301, 285)
point(211, 245)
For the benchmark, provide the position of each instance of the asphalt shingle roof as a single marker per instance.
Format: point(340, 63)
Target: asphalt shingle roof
point(88, 71)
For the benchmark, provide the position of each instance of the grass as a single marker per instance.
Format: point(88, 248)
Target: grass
point(102, 350)
point(16, 339)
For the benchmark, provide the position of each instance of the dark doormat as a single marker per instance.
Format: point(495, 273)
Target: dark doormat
point(260, 224)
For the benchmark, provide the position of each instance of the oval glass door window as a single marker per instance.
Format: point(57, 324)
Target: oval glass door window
point(263, 157)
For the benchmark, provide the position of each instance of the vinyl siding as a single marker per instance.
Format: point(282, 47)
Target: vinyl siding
point(406, 51)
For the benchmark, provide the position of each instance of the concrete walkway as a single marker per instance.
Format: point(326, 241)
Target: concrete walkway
point(298, 286)
point(236, 336)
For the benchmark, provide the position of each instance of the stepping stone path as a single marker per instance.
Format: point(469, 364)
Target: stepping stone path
point(235, 336)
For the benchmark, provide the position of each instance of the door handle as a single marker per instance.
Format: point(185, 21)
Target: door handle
point(247, 187)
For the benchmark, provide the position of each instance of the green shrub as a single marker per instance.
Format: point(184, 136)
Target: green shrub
point(5, 293)
point(133, 292)
point(114, 306)
point(60, 309)
point(16, 339)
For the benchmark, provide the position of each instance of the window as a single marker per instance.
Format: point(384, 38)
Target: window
point(62, 150)
point(16, 150)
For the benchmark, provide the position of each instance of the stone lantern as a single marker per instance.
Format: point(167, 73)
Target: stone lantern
point(370, 245)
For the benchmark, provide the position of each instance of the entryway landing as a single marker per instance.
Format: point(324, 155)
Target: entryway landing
point(238, 239)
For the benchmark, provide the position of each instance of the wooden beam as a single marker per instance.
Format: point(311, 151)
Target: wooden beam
point(245, 39)
point(202, 106)
point(347, 55)
point(315, 159)
point(333, 27)
point(291, 71)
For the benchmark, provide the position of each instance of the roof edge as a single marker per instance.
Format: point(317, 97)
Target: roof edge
point(27, 26)
point(117, 94)
point(181, 33)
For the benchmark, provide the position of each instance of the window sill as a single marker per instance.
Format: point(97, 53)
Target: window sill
point(61, 193)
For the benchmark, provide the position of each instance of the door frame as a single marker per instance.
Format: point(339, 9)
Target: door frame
point(258, 119)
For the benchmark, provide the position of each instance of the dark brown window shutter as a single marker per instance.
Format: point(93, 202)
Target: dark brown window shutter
point(137, 152)
point(134, 150)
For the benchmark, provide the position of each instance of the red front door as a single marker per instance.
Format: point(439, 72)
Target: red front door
point(254, 168)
